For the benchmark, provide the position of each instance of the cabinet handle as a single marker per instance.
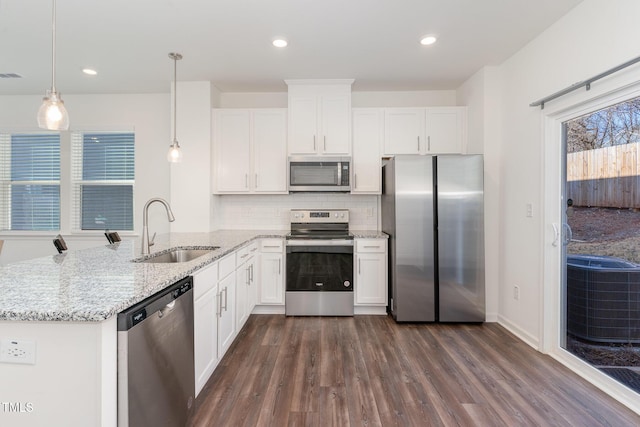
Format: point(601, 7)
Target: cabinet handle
point(314, 143)
point(248, 276)
point(418, 142)
point(271, 246)
point(218, 305)
point(355, 180)
point(371, 246)
point(251, 273)
point(246, 180)
point(428, 143)
point(244, 256)
point(359, 271)
point(279, 267)
point(226, 290)
point(324, 142)
point(256, 180)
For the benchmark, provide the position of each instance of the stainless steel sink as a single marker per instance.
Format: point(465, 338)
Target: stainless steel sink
point(179, 254)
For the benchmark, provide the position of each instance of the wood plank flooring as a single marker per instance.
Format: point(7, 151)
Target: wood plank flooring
point(371, 371)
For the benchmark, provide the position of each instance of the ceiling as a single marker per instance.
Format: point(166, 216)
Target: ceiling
point(228, 42)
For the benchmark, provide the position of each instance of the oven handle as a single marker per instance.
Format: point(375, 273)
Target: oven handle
point(320, 242)
point(320, 249)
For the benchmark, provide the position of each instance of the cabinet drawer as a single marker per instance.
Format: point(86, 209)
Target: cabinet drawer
point(227, 265)
point(242, 255)
point(272, 245)
point(253, 249)
point(204, 280)
point(371, 245)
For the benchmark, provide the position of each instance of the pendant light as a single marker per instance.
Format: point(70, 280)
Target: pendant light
point(175, 153)
point(52, 115)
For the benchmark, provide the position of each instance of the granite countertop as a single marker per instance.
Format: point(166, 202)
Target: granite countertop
point(92, 285)
point(97, 283)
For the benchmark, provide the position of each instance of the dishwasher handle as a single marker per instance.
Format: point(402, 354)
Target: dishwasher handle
point(161, 302)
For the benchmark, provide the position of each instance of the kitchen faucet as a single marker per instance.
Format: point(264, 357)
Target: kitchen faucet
point(146, 243)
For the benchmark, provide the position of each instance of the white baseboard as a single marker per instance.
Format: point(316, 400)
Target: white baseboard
point(268, 309)
point(370, 310)
point(519, 332)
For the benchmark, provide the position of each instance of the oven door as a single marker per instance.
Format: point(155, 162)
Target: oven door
point(319, 266)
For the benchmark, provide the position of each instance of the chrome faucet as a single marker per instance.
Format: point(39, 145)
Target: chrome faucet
point(146, 243)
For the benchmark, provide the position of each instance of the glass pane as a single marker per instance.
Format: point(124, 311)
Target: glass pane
point(602, 253)
point(107, 207)
point(108, 156)
point(35, 207)
point(35, 157)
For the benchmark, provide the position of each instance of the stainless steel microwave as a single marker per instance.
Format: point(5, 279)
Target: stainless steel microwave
point(319, 174)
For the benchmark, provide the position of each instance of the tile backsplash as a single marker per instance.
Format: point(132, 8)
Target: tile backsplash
point(272, 211)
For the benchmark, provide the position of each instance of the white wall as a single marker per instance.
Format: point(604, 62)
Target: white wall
point(484, 138)
point(592, 38)
point(146, 114)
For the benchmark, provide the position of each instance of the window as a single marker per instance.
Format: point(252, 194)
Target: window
point(30, 181)
point(103, 179)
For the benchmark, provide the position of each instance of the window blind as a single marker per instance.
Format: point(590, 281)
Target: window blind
point(30, 181)
point(103, 178)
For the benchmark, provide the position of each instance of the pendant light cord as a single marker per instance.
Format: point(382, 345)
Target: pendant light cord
point(53, 48)
point(175, 96)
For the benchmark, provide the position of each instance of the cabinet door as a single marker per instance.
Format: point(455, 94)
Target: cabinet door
point(232, 140)
point(242, 285)
point(205, 334)
point(367, 140)
point(227, 316)
point(303, 124)
point(404, 131)
point(445, 129)
point(271, 278)
point(252, 289)
point(335, 112)
point(371, 285)
point(269, 137)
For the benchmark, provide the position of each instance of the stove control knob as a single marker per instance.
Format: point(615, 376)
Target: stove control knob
point(336, 215)
point(347, 283)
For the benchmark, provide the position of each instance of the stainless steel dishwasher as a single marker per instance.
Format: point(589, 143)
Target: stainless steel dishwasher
point(155, 359)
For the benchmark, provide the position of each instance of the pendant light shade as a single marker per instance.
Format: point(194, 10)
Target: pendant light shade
point(175, 152)
point(52, 114)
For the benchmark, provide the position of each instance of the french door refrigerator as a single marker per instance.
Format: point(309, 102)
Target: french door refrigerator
point(433, 212)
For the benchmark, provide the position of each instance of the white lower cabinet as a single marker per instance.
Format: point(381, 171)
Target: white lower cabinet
point(226, 303)
point(370, 285)
point(271, 272)
point(246, 288)
point(205, 316)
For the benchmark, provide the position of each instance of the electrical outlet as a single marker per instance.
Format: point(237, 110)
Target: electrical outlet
point(516, 292)
point(369, 212)
point(18, 351)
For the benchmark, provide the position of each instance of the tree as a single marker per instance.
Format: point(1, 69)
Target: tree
point(614, 125)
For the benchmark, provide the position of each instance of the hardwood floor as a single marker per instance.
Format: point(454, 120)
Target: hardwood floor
point(369, 370)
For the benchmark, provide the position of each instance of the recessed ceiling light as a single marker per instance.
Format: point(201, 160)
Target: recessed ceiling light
point(427, 40)
point(280, 43)
point(89, 71)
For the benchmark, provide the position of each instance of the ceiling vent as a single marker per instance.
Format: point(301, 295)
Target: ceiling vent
point(10, 76)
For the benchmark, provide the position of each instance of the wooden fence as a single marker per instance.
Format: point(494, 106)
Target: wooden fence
point(605, 177)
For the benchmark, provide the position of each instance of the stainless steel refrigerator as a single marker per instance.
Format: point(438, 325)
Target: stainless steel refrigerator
point(433, 211)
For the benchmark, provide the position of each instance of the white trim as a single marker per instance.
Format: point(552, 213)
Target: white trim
point(370, 310)
point(525, 336)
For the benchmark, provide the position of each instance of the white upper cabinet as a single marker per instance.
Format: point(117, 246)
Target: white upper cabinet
point(432, 130)
point(232, 150)
point(319, 117)
point(367, 142)
point(250, 150)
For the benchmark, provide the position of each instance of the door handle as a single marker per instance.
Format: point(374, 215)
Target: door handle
point(567, 234)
